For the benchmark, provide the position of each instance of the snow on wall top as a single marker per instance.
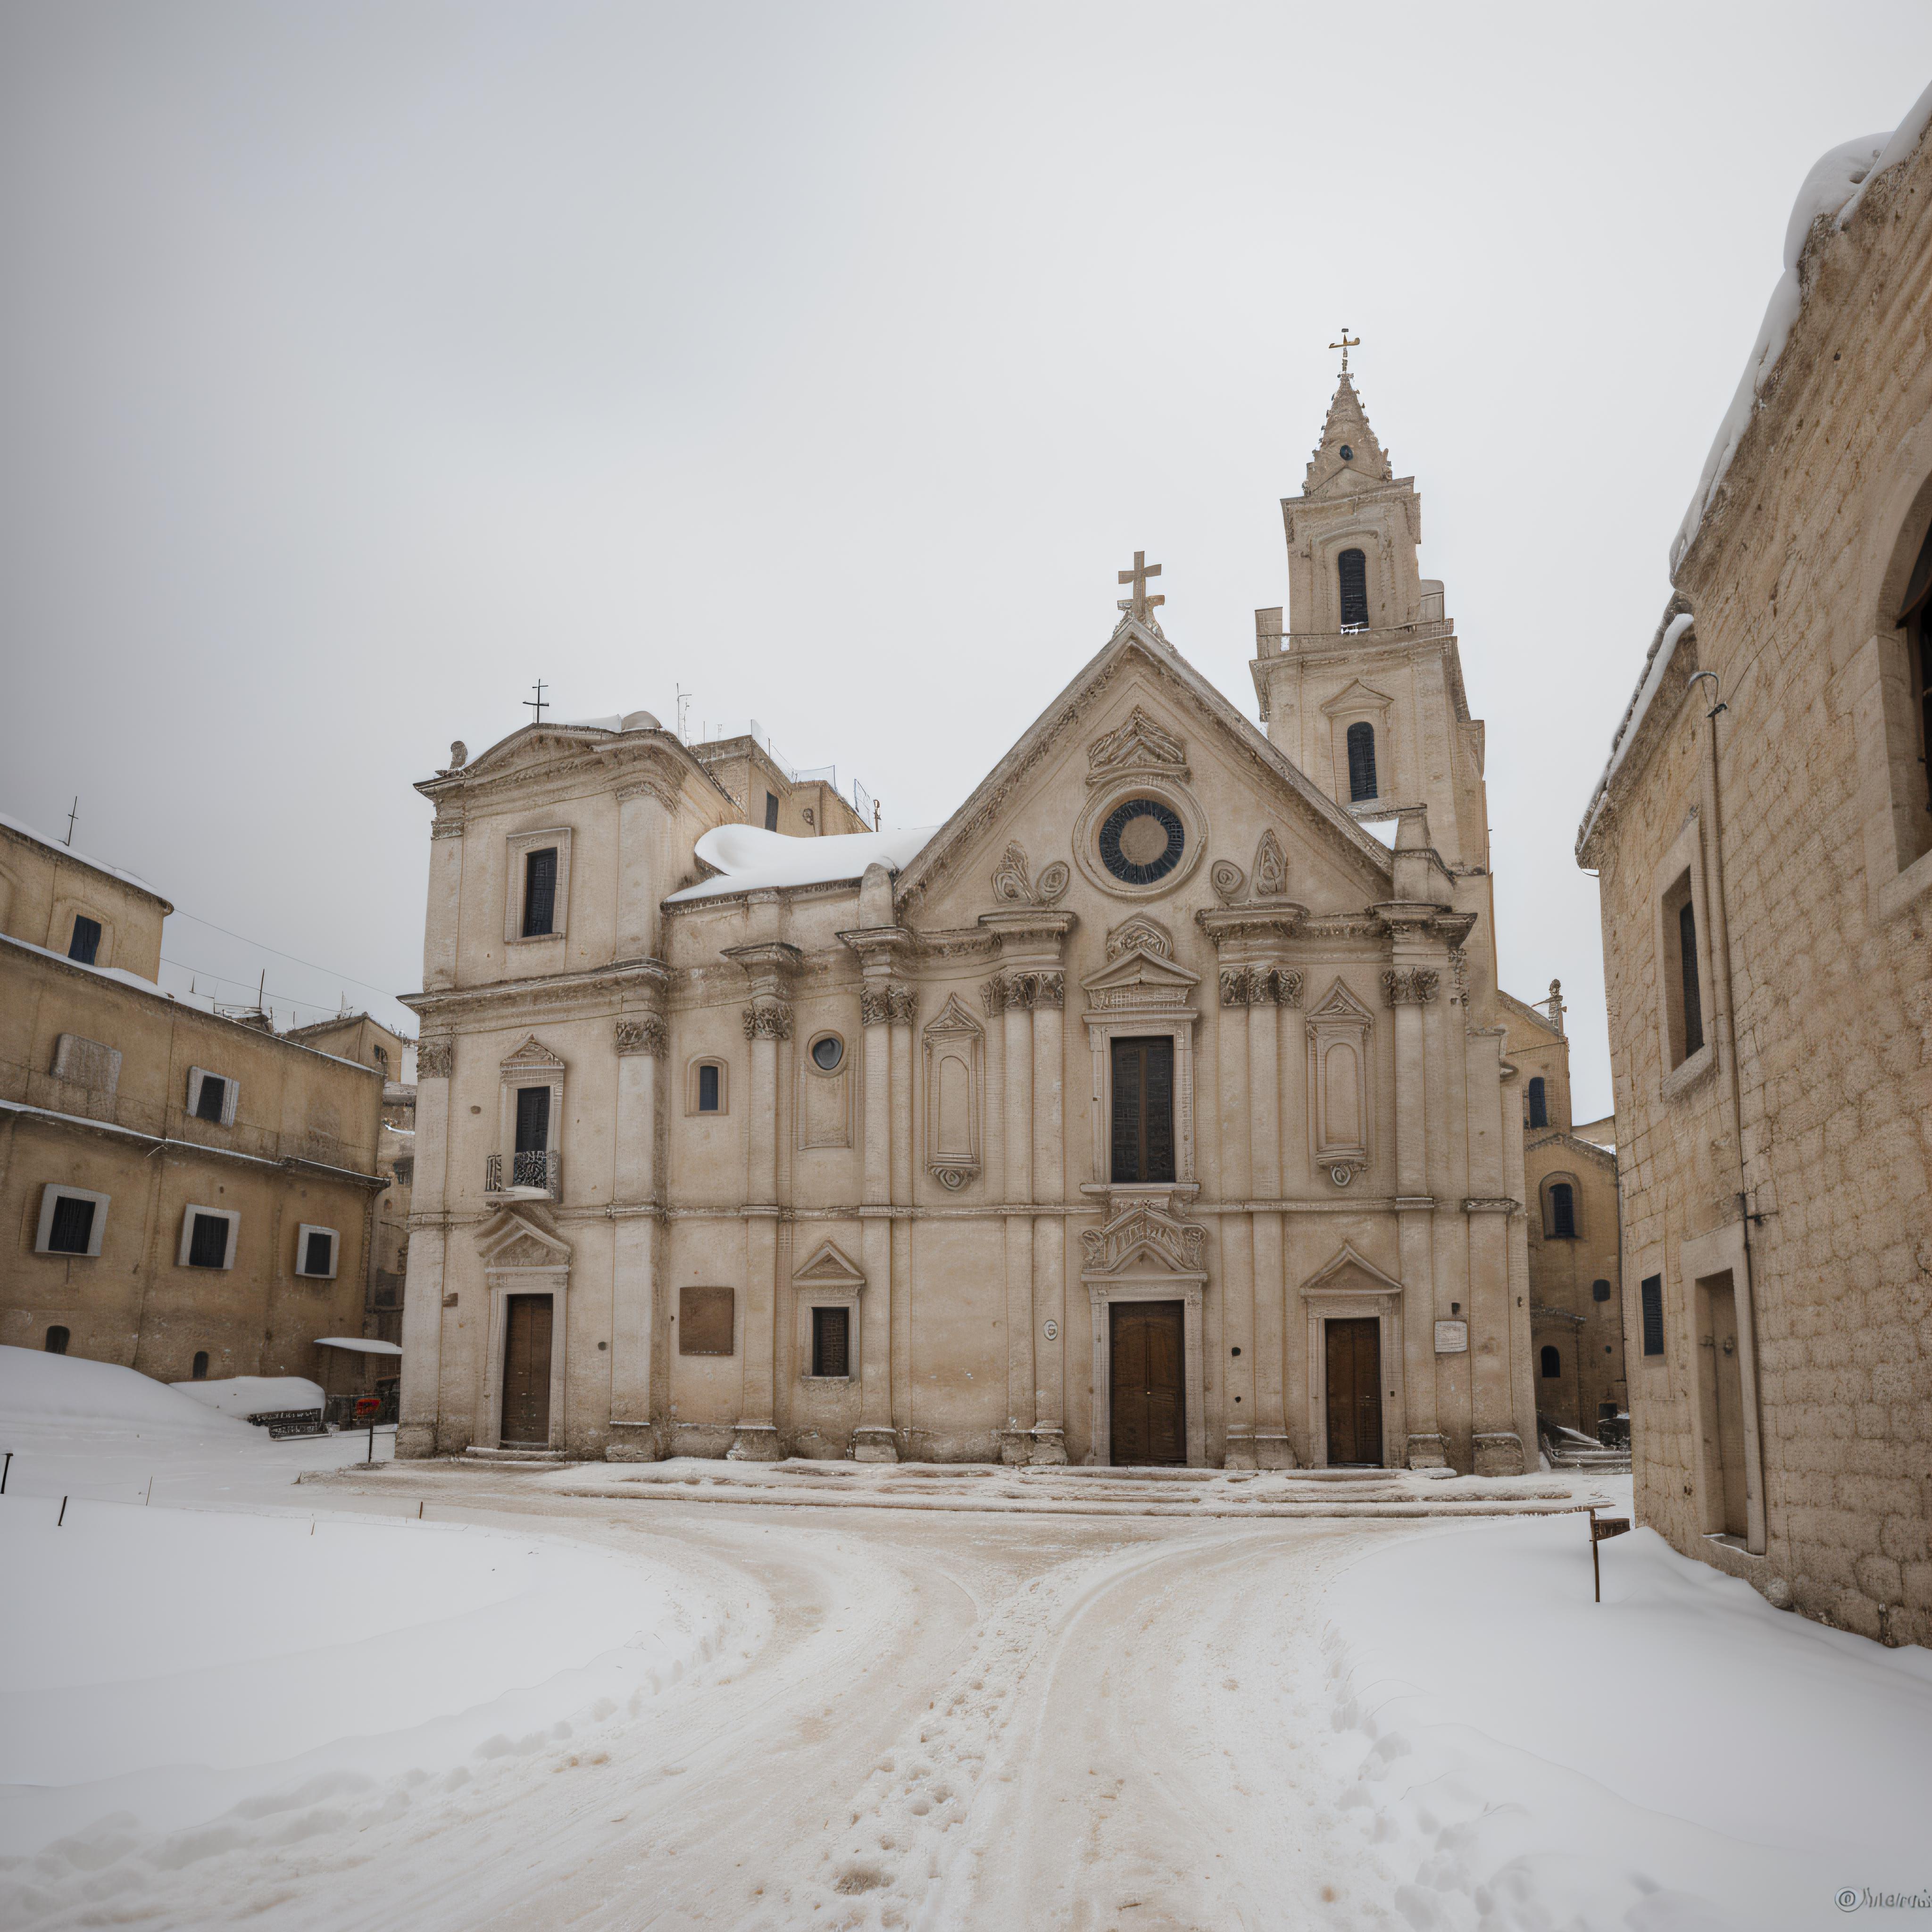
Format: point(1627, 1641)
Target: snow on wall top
point(38, 1388)
point(749, 859)
point(54, 845)
point(1662, 648)
point(1834, 187)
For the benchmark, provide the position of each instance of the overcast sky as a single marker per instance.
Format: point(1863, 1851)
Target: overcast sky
point(362, 365)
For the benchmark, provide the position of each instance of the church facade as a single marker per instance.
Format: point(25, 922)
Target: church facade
point(1154, 1109)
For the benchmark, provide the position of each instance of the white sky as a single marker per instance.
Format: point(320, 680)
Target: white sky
point(363, 365)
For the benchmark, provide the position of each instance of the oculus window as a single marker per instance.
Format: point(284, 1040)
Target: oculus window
point(1141, 842)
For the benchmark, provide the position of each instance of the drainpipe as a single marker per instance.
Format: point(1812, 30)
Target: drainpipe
point(1755, 1536)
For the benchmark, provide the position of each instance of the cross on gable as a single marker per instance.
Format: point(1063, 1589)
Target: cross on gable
point(1347, 343)
point(1137, 604)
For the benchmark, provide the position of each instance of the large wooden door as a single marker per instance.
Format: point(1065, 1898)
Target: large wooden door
point(1147, 1402)
point(527, 1370)
point(1354, 1362)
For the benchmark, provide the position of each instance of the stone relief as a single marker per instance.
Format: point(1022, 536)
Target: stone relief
point(1410, 985)
point(1270, 873)
point(1140, 935)
point(1012, 884)
point(769, 1019)
point(891, 1004)
point(1023, 990)
point(644, 1032)
point(435, 1058)
point(1143, 1226)
point(1140, 745)
point(1228, 880)
point(1260, 985)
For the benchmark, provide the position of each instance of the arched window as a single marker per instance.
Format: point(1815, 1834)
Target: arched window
point(1599, 1290)
point(199, 1371)
point(1361, 761)
point(1539, 1103)
point(1352, 572)
point(57, 1340)
point(1552, 1365)
point(1563, 1212)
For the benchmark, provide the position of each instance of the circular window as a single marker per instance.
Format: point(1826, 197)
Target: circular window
point(1348, 455)
point(827, 1051)
point(1141, 841)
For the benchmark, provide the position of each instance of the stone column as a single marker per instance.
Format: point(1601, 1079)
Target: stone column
point(1016, 1121)
point(1237, 1366)
point(642, 1041)
point(441, 918)
point(1410, 988)
point(872, 1441)
point(423, 1291)
point(1496, 1448)
point(640, 869)
point(768, 1027)
point(903, 1005)
point(1049, 1232)
point(1281, 987)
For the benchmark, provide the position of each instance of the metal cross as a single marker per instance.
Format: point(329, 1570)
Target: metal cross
point(71, 818)
point(1139, 604)
point(1347, 343)
point(535, 704)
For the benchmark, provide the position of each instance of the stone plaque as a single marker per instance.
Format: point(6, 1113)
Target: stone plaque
point(705, 1319)
point(1452, 1338)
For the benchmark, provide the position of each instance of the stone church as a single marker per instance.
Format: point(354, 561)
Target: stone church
point(1153, 1109)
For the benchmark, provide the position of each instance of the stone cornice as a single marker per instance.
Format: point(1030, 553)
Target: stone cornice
point(1280, 919)
point(447, 1006)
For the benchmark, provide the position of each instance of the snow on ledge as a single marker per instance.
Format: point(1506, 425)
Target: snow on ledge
point(1662, 652)
point(749, 859)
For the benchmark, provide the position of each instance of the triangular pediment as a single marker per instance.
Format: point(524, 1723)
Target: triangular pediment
point(1347, 1271)
point(1357, 697)
point(1145, 1237)
point(1176, 707)
point(953, 1018)
point(1339, 1003)
point(533, 1057)
point(828, 1266)
point(1142, 969)
point(521, 1237)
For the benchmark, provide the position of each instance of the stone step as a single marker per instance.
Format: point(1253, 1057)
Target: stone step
point(547, 1458)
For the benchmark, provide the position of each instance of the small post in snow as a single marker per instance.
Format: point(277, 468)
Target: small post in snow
point(150, 1497)
point(369, 1407)
point(62, 1517)
point(1601, 1532)
point(3, 1467)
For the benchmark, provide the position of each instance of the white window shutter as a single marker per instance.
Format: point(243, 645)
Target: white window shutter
point(194, 1078)
point(187, 1236)
point(230, 1093)
point(228, 1253)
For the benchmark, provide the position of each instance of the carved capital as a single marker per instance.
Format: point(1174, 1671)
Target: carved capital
point(1410, 985)
point(446, 825)
point(901, 1004)
point(435, 1059)
point(769, 1019)
point(644, 1032)
point(1260, 986)
point(1024, 991)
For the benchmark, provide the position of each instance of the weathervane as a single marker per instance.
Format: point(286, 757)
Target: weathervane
point(536, 704)
point(1347, 343)
point(1139, 605)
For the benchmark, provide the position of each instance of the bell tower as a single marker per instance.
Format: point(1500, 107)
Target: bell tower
point(1363, 687)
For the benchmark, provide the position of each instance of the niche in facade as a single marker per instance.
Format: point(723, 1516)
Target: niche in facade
point(955, 1082)
point(1338, 1031)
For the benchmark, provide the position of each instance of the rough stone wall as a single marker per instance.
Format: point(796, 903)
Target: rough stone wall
point(1793, 581)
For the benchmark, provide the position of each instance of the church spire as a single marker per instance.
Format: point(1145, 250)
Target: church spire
point(1348, 445)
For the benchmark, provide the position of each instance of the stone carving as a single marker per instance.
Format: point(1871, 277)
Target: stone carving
point(890, 1003)
point(1139, 935)
point(459, 754)
point(872, 1005)
point(1228, 881)
point(1025, 990)
point(951, 1175)
point(446, 825)
point(1410, 985)
point(1011, 883)
point(644, 1032)
point(1491, 1204)
point(435, 1059)
point(1259, 985)
point(1140, 745)
point(769, 1019)
point(1270, 868)
point(1142, 1224)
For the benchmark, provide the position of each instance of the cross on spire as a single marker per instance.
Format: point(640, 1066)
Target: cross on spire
point(536, 704)
point(1347, 343)
point(1137, 604)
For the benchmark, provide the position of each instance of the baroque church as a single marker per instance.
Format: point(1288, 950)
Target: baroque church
point(1153, 1109)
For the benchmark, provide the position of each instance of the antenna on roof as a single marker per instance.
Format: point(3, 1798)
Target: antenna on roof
point(71, 818)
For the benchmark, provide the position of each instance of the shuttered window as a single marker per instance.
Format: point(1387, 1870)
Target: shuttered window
point(86, 940)
point(210, 1101)
point(831, 1341)
point(1687, 960)
point(1351, 570)
point(318, 1253)
point(1650, 1294)
point(540, 893)
point(707, 1089)
point(73, 1227)
point(207, 1246)
point(1539, 1103)
point(1143, 1120)
point(1361, 761)
point(533, 1119)
point(1562, 1212)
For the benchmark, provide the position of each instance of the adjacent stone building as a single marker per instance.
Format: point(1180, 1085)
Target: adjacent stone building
point(1763, 836)
point(1153, 1108)
point(189, 1195)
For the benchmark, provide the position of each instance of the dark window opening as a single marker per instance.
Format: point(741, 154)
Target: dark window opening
point(1539, 1103)
point(1351, 570)
point(211, 1102)
point(207, 1246)
point(540, 893)
point(1552, 1365)
point(1562, 1212)
point(771, 811)
point(1687, 960)
point(199, 1372)
point(1361, 761)
point(826, 1053)
point(1917, 614)
point(1651, 1296)
point(533, 1119)
point(57, 1340)
point(319, 1251)
point(73, 1227)
point(831, 1341)
point(1599, 1290)
point(86, 940)
point(1143, 1110)
point(707, 1089)
point(381, 1058)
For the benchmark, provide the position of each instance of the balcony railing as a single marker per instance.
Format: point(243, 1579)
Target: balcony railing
point(542, 1171)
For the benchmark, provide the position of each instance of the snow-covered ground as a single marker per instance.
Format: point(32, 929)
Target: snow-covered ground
point(537, 1709)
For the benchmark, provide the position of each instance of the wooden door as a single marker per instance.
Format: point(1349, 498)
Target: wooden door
point(1147, 1400)
point(527, 1370)
point(1354, 1361)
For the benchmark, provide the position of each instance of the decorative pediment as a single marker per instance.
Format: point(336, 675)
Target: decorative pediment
point(1339, 1003)
point(521, 1237)
point(1142, 975)
point(1140, 935)
point(1356, 696)
point(1140, 745)
point(1143, 1236)
point(953, 1018)
point(829, 1267)
point(1349, 1272)
point(533, 1060)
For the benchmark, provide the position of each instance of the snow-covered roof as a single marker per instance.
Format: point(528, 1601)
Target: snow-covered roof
point(61, 851)
point(1662, 648)
point(749, 859)
point(356, 1345)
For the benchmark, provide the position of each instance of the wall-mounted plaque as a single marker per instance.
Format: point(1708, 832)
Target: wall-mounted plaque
point(705, 1320)
point(1452, 1338)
